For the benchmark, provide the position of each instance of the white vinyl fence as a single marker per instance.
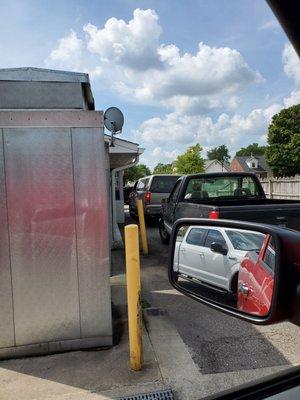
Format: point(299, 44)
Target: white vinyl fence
point(282, 188)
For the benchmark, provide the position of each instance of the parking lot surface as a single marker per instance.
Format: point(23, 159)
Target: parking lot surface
point(219, 344)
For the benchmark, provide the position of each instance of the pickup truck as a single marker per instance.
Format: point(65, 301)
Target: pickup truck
point(230, 195)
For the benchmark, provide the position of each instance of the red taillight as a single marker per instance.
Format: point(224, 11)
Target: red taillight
point(148, 197)
point(214, 214)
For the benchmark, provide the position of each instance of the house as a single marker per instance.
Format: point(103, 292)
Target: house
point(253, 163)
point(216, 166)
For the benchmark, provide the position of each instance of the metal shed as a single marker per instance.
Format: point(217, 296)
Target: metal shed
point(54, 230)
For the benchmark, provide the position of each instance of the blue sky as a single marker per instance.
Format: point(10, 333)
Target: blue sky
point(145, 57)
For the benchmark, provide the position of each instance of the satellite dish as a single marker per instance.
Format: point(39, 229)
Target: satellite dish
point(113, 120)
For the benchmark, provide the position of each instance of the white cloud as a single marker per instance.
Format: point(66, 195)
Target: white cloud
point(192, 83)
point(181, 131)
point(68, 52)
point(291, 64)
point(193, 105)
point(131, 60)
point(272, 24)
point(293, 99)
point(235, 131)
point(134, 62)
point(71, 54)
point(133, 44)
point(157, 152)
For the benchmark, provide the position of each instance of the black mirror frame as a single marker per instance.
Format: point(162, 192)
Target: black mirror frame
point(275, 312)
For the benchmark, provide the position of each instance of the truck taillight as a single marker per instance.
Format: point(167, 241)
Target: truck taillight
point(214, 214)
point(148, 197)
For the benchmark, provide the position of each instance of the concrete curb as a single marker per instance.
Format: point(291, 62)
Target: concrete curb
point(177, 367)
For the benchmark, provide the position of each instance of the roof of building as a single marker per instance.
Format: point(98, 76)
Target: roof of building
point(41, 75)
point(262, 163)
point(31, 74)
point(123, 152)
point(208, 163)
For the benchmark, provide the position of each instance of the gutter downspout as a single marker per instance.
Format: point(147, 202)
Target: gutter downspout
point(116, 239)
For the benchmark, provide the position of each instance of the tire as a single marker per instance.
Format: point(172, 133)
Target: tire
point(132, 214)
point(164, 236)
point(234, 284)
point(176, 277)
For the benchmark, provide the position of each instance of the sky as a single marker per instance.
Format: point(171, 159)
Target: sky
point(183, 72)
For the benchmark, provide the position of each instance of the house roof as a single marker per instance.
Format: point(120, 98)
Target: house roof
point(208, 163)
point(262, 163)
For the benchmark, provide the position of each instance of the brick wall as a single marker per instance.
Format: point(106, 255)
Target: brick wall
point(235, 166)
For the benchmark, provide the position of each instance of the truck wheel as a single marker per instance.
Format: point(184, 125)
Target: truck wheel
point(133, 214)
point(234, 284)
point(165, 237)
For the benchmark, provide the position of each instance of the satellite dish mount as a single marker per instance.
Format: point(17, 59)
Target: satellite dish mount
point(113, 121)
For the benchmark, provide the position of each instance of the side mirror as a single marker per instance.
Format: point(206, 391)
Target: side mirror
point(219, 248)
point(255, 276)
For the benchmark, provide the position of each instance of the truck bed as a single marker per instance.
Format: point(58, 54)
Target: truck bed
point(269, 211)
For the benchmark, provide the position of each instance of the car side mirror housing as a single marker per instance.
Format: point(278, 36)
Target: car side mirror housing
point(261, 279)
point(218, 248)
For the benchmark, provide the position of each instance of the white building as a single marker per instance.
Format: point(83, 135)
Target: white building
point(61, 198)
point(216, 166)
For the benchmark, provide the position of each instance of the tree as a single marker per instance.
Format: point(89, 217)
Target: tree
point(220, 153)
point(253, 148)
point(283, 151)
point(190, 162)
point(161, 168)
point(136, 172)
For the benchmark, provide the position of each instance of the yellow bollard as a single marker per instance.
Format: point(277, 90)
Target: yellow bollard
point(139, 204)
point(133, 296)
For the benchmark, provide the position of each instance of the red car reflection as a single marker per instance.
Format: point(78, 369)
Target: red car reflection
point(256, 280)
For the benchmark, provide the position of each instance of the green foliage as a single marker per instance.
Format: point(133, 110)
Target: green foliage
point(283, 152)
point(161, 168)
point(190, 162)
point(136, 172)
point(253, 149)
point(220, 153)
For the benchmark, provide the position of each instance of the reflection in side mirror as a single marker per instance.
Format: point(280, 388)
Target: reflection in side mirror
point(226, 265)
point(219, 248)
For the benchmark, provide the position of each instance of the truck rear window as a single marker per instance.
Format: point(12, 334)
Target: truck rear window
point(163, 184)
point(221, 187)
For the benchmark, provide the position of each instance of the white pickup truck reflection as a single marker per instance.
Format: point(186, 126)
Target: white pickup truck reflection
point(212, 255)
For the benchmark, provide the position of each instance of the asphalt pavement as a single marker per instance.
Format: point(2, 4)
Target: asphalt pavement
point(218, 344)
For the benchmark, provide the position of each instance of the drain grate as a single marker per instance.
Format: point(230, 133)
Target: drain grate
point(160, 395)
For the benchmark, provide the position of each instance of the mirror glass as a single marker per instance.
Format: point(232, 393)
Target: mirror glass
point(229, 266)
